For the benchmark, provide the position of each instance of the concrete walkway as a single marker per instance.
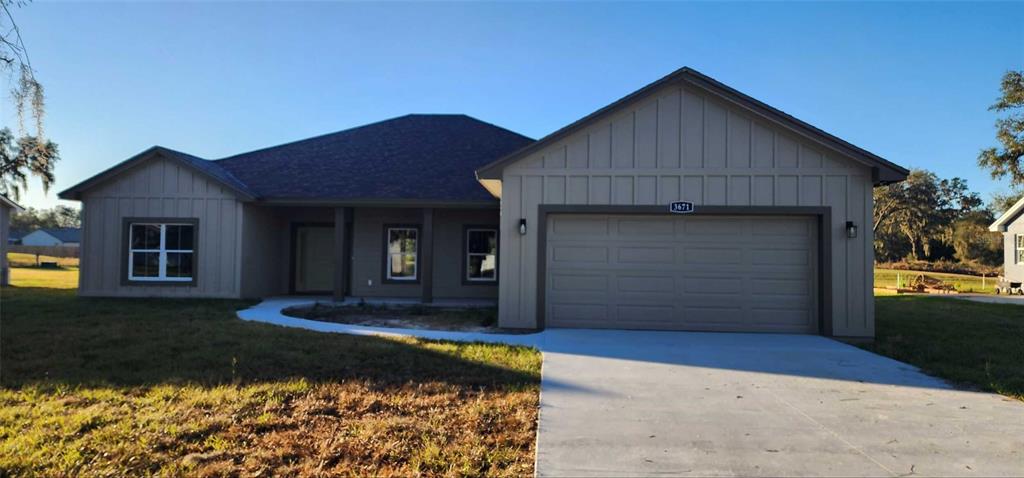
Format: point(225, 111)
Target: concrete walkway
point(992, 299)
point(620, 403)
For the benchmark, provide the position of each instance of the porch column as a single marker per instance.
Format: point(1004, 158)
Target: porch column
point(426, 258)
point(342, 251)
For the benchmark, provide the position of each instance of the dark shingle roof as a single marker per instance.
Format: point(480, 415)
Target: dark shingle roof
point(421, 157)
point(64, 234)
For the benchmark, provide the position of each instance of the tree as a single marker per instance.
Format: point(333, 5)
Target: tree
point(1008, 158)
point(23, 157)
point(30, 154)
point(1001, 202)
point(923, 210)
point(973, 241)
point(60, 216)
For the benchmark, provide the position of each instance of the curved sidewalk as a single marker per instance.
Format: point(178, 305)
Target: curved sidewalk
point(270, 311)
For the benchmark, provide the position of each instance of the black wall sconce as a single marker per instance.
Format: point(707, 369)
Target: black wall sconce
point(522, 226)
point(851, 230)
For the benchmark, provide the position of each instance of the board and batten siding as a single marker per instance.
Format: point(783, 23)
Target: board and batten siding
point(5, 231)
point(161, 189)
point(1012, 270)
point(680, 143)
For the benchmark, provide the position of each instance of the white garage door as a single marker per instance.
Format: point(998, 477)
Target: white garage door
point(719, 273)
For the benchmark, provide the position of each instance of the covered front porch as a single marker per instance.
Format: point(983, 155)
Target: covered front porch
point(372, 254)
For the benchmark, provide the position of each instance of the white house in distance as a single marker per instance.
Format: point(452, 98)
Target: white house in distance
point(7, 208)
point(1011, 224)
point(53, 236)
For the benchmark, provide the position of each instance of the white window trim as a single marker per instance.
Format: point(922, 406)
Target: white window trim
point(415, 255)
point(471, 254)
point(1018, 250)
point(162, 277)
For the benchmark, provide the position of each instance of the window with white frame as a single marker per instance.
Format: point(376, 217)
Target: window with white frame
point(402, 253)
point(1019, 250)
point(481, 254)
point(161, 252)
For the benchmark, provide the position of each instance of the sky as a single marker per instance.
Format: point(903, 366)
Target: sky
point(911, 82)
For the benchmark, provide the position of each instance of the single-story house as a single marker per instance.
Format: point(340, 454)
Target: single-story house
point(14, 236)
point(685, 205)
point(1011, 224)
point(53, 236)
point(7, 208)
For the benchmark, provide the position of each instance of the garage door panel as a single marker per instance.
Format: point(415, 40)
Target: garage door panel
point(646, 283)
point(645, 255)
point(576, 254)
point(784, 257)
point(711, 255)
point(579, 282)
point(776, 287)
point(579, 226)
point(709, 226)
point(645, 229)
point(707, 315)
point(712, 285)
point(729, 273)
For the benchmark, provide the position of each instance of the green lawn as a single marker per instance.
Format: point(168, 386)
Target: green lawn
point(970, 343)
point(21, 259)
point(108, 387)
point(963, 283)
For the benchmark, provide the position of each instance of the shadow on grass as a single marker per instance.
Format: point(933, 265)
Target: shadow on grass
point(54, 336)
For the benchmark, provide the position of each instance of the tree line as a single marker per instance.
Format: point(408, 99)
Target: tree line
point(926, 218)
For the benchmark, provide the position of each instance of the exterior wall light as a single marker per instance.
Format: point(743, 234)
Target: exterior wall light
point(522, 226)
point(851, 230)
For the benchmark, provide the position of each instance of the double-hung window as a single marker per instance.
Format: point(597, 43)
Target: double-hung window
point(481, 254)
point(161, 251)
point(1018, 252)
point(402, 253)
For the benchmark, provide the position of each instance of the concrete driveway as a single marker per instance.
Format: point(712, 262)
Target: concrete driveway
point(617, 403)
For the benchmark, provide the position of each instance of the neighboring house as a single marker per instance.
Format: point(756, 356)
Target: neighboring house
point(14, 237)
point(1011, 224)
point(7, 208)
point(53, 236)
point(573, 230)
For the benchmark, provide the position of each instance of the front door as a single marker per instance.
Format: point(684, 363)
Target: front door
point(314, 259)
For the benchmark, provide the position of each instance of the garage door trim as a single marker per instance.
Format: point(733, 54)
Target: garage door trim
point(823, 214)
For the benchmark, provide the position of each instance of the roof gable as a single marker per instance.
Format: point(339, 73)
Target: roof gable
point(883, 170)
point(62, 234)
point(205, 168)
point(7, 202)
point(1009, 217)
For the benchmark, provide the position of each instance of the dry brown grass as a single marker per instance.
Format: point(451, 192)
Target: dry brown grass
point(101, 387)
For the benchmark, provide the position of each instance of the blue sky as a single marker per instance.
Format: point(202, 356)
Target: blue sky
point(908, 81)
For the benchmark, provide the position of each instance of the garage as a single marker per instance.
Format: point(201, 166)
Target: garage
point(735, 273)
point(772, 233)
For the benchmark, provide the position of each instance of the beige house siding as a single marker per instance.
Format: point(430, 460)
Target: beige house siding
point(683, 144)
point(368, 252)
point(5, 229)
point(265, 240)
point(162, 189)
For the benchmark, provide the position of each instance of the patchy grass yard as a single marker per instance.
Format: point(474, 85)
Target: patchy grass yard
point(21, 259)
point(970, 343)
point(962, 282)
point(44, 278)
point(105, 387)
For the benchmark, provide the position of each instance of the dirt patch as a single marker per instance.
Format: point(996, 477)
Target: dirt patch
point(422, 317)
